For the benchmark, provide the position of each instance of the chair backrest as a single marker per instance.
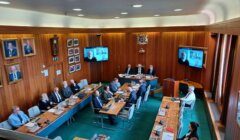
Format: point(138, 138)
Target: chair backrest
point(84, 82)
point(80, 84)
point(130, 112)
point(6, 125)
point(33, 111)
point(138, 104)
point(147, 93)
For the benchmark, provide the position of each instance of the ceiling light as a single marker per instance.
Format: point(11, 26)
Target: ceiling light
point(124, 13)
point(80, 15)
point(137, 5)
point(177, 10)
point(4, 2)
point(116, 17)
point(156, 15)
point(77, 9)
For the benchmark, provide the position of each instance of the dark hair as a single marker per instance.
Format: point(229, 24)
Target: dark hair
point(105, 87)
point(194, 126)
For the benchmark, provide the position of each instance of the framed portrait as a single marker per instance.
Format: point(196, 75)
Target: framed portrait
point(77, 58)
point(14, 73)
point(77, 67)
point(75, 42)
point(71, 68)
point(1, 81)
point(71, 51)
point(28, 47)
point(10, 48)
point(69, 42)
point(76, 51)
point(71, 60)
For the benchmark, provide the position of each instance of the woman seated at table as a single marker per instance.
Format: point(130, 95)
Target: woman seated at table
point(44, 103)
point(107, 94)
point(192, 133)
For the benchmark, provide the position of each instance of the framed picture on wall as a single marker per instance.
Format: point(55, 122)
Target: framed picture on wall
point(71, 51)
point(28, 47)
point(10, 48)
point(14, 73)
point(77, 58)
point(71, 60)
point(71, 68)
point(77, 67)
point(1, 81)
point(75, 42)
point(69, 42)
point(76, 51)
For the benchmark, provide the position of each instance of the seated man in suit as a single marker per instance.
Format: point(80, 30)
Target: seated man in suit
point(44, 103)
point(142, 89)
point(56, 97)
point(74, 87)
point(139, 69)
point(114, 85)
point(97, 103)
point(107, 94)
point(151, 71)
point(17, 118)
point(66, 90)
point(132, 98)
point(189, 98)
point(128, 70)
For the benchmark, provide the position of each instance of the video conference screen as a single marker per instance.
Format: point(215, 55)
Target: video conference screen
point(96, 54)
point(191, 57)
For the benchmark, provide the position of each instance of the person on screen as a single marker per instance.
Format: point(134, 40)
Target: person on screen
point(28, 48)
point(90, 57)
point(17, 118)
point(128, 70)
point(183, 59)
point(11, 50)
point(151, 71)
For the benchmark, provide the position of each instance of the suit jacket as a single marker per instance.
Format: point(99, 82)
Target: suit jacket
point(43, 105)
point(97, 103)
point(142, 70)
point(131, 71)
point(106, 96)
point(67, 92)
point(12, 54)
point(133, 97)
point(28, 49)
point(142, 90)
point(53, 98)
point(114, 86)
point(75, 89)
point(11, 76)
point(153, 72)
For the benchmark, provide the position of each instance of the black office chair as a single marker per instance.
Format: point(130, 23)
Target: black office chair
point(183, 88)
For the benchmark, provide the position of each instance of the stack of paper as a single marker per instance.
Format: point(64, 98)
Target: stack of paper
point(52, 110)
point(167, 136)
point(30, 124)
point(158, 128)
point(162, 112)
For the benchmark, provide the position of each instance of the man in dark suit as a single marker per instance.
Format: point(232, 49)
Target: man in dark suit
point(132, 98)
point(28, 48)
point(14, 74)
point(10, 50)
point(107, 94)
point(151, 71)
point(114, 85)
point(74, 87)
point(66, 90)
point(56, 97)
point(139, 69)
point(97, 103)
point(142, 89)
point(128, 70)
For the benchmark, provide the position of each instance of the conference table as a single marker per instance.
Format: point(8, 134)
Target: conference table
point(126, 78)
point(167, 120)
point(46, 123)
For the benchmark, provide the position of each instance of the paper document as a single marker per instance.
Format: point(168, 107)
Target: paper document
point(167, 136)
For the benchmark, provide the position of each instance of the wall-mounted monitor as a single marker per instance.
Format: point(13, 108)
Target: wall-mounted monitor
point(96, 54)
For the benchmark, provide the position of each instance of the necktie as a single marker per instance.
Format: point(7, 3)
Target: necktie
point(58, 97)
point(20, 117)
point(128, 70)
point(139, 70)
point(99, 102)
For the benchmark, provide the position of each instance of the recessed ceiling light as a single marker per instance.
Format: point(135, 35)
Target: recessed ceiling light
point(177, 10)
point(80, 15)
point(124, 13)
point(137, 5)
point(4, 2)
point(156, 15)
point(77, 9)
point(116, 17)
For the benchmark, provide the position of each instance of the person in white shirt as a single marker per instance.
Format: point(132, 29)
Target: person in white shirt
point(189, 98)
point(139, 69)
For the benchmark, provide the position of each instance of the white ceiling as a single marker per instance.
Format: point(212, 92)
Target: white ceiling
point(107, 9)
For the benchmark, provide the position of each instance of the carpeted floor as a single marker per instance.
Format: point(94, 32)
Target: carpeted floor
point(141, 125)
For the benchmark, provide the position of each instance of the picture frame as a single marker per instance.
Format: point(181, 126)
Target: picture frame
point(69, 42)
point(71, 60)
point(75, 42)
point(14, 73)
point(71, 68)
point(77, 58)
point(78, 67)
point(28, 46)
point(71, 51)
point(10, 48)
point(1, 80)
point(76, 51)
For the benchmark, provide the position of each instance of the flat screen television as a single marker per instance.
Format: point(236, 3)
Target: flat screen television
point(191, 57)
point(96, 54)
